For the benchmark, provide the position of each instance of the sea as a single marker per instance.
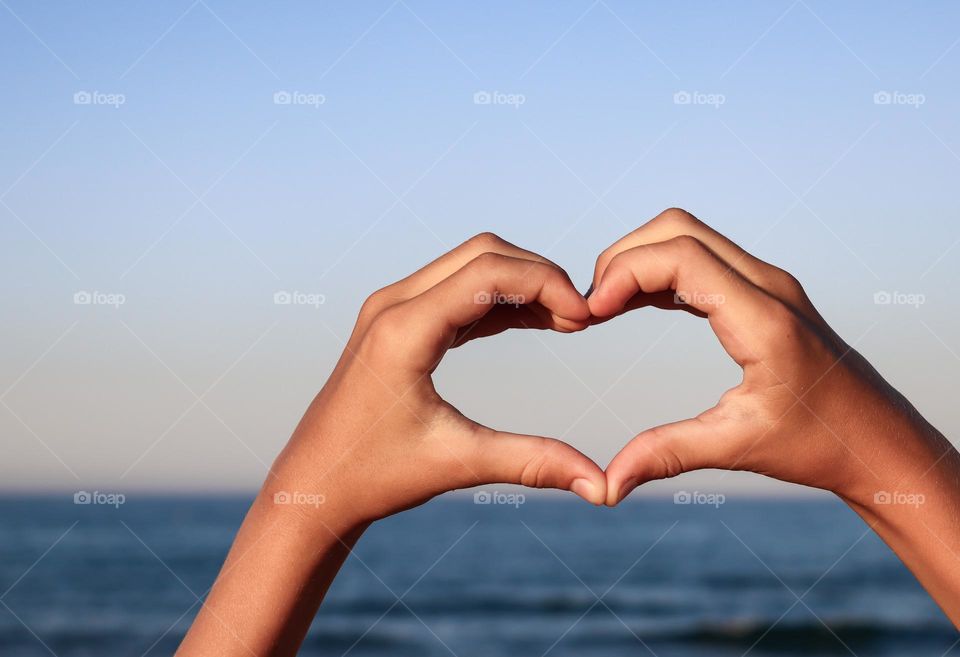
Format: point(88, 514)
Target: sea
point(484, 574)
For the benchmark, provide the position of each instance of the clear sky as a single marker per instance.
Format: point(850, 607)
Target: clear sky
point(181, 162)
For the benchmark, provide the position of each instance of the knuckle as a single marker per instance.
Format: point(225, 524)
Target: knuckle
point(487, 260)
point(485, 241)
point(618, 261)
point(671, 464)
point(689, 245)
point(386, 332)
point(534, 472)
point(784, 285)
point(548, 272)
point(678, 219)
point(789, 283)
point(604, 259)
point(373, 305)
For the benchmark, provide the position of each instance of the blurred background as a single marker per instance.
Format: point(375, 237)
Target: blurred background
point(196, 196)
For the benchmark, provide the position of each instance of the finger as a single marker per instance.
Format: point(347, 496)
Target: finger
point(735, 307)
point(437, 271)
point(667, 451)
point(675, 222)
point(503, 317)
point(490, 281)
point(452, 261)
point(666, 300)
point(537, 462)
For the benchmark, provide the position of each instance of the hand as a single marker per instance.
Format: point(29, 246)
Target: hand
point(378, 438)
point(810, 409)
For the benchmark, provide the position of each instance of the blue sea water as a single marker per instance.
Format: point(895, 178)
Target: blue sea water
point(546, 577)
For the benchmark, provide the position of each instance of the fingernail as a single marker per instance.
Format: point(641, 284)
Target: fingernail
point(626, 488)
point(587, 490)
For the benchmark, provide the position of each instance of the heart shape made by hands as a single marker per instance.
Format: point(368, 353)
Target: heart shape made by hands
point(766, 324)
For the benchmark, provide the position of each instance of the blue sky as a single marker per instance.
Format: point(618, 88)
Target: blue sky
point(822, 136)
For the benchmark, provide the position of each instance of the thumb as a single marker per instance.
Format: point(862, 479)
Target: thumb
point(663, 452)
point(538, 462)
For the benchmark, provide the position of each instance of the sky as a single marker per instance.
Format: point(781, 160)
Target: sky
point(166, 169)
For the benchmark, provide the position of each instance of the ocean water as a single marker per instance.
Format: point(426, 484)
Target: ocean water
point(545, 577)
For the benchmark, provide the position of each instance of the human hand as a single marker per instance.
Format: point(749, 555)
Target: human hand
point(379, 438)
point(810, 410)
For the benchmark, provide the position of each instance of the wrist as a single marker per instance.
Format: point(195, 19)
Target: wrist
point(308, 503)
point(906, 467)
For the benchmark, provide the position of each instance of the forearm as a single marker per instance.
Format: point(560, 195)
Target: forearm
point(278, 570)
point(913, 504)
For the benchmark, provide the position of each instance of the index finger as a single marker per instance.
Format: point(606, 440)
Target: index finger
point(734, 306)
point(485, 282)
point(675, 222)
